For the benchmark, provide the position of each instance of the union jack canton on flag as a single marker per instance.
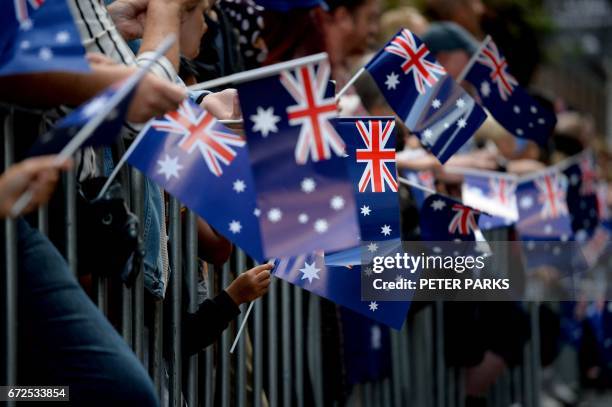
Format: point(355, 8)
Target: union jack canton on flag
point(437, 110)
point(303, 189)
point(206, 166)
point(39, 36)
point(502, 96)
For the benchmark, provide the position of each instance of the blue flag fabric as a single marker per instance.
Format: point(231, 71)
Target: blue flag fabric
point(206, 166)
point(435, 108)
point(543, 212)
point(39, 36)
point(57, 138)
point(425, 179)
point(341, 285)
point(303, 191)
point(582, 200)
point(445, 219)
point(509, 104)
point(367, 348)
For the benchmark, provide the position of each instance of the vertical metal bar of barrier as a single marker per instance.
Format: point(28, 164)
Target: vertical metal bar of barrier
point(451, 393)
point(241, 367)
point(257, 353)
point(527, 375)
point(156, 347)
point(368, 397)
point(386, 389)
point(298, 351)
point(224, 355)
point(440, 364)
point(175, 362)
point(396, 368)
point(316, 369)
point(137, 189)
point(209, 388)
point(71, 242)
point(272, 345)
point(405, 363)
point(11, 275)
point(286, 342)
point(191, 274)
point(534, 308)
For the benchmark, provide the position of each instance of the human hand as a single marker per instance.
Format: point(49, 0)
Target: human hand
point(154, 96)
point(129, 17)
point(223, 105)
point(250, 285)
point(39, 175)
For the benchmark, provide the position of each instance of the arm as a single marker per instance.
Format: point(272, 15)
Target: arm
point(212, 247)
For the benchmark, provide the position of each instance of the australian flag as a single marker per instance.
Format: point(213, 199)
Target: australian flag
point(57, 138)
point(303, 190)
point(39, 36)
point(543, 211)
point(502, 96)
point(582, 199)
point(424, 96)
point(445, 219)
point(206, 166)
point(493, 193)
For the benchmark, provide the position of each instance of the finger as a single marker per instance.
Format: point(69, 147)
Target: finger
point(262, 276)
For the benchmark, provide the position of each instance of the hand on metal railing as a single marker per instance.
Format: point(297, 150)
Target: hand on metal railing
point(31, 181)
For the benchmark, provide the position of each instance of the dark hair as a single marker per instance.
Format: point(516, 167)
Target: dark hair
point(293, 34)
point(351, 5)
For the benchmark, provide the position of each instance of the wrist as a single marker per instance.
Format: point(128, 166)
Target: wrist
point(234, 296)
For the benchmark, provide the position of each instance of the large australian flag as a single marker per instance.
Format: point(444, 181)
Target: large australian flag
point(435, 108)
point(509, 103)
point(39, 36)
point(303, 189)
point(206, 166)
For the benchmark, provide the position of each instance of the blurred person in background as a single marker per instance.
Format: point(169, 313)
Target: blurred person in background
point(395, 19)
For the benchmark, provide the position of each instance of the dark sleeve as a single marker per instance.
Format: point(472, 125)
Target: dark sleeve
point(204, 327)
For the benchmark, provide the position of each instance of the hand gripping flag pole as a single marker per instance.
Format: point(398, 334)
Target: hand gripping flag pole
point(87, 130)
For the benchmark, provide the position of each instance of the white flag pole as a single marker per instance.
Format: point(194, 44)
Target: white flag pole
point(415, 185)
point(86, 131)
point(259, 72)
point(473, 60)
point(349, 83)
point(242, 325)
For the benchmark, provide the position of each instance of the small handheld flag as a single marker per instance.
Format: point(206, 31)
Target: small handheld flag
point(435, 108)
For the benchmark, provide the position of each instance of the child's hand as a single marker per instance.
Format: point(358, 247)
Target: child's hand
point(250, 285)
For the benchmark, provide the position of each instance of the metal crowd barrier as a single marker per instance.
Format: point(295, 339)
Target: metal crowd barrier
point(278, 361)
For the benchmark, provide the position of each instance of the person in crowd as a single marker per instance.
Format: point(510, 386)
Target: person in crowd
point(391, 21)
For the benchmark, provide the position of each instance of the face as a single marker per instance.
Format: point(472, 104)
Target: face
point(364, 27)
point(193, 27)
point(453, 61)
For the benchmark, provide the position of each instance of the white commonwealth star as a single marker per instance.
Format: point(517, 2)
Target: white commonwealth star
point(45, 54)
point(392, 81)
point(428, 135)
point(337, 203)
point(321, 226)
point(373, 306)
point(62, 37)
point(372, 247)
point(274, 215)
point(485, 89)
point(436, 104)
point(169, 167)
point(257, 212)
point(235, 227)
point(308, 185)
point(461, 123)
point(365, 210)
point(460, 103)
point(310, 272)
point(239, 186)
point(385, 230)
point(265, 121)
point(438, 205)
